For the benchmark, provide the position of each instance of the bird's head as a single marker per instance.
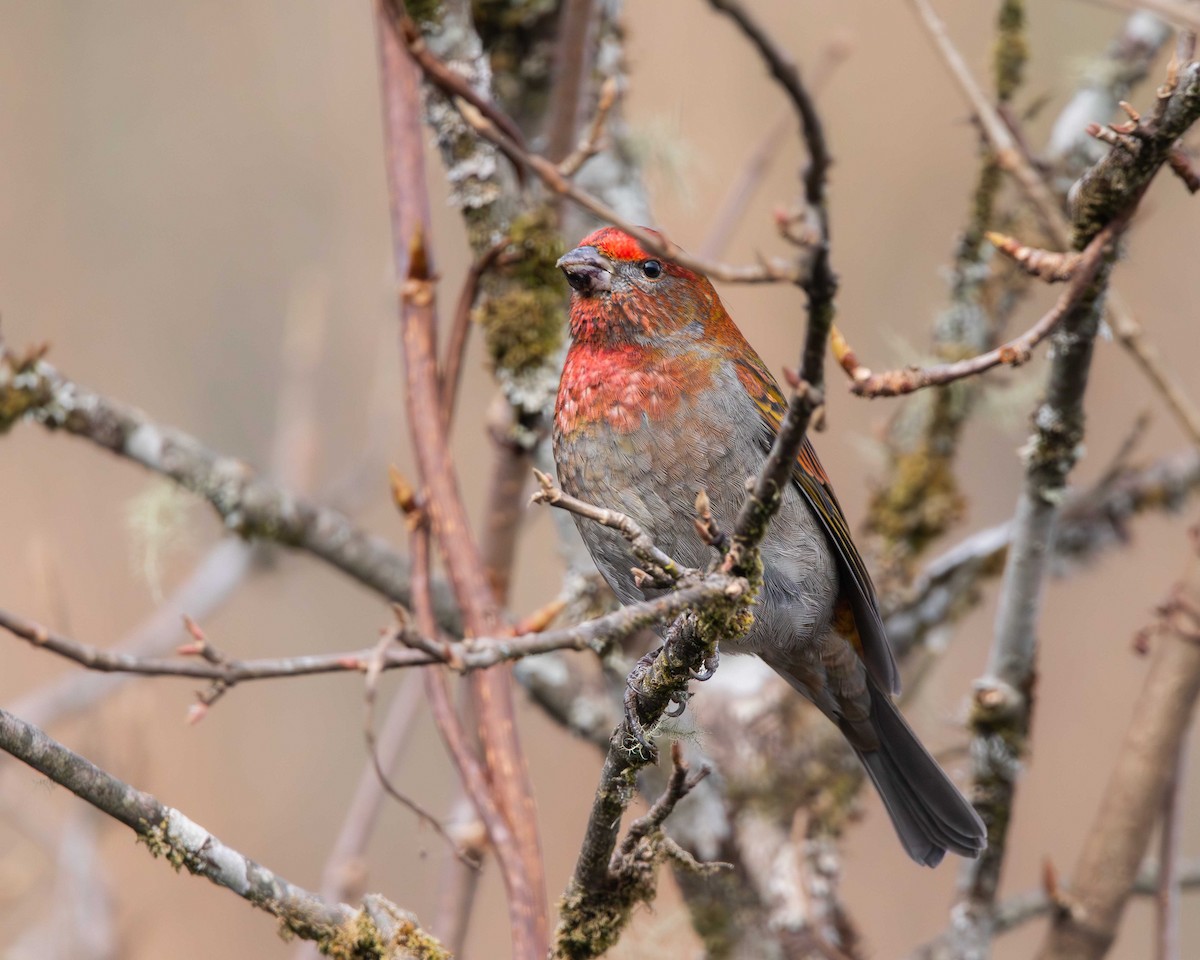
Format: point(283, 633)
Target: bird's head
point(623, 293)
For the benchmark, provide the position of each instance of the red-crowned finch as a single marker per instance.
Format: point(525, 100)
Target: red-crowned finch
point(662, 397)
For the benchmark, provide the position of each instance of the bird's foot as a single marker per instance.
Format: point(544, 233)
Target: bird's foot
point(633, 724)
point(709, 668)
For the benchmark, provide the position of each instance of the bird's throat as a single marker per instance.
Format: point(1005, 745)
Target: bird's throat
point(621, 387)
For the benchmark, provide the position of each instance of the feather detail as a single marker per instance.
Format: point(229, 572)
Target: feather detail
point(810, 477)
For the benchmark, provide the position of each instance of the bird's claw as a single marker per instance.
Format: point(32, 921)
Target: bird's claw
point(709, 669)
point(678, 705)
point(633, 723)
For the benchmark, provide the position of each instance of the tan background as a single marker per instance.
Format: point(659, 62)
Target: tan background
point(178, 179)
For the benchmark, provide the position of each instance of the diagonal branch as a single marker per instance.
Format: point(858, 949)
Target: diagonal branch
point(249, 505)
point(1108, 864)
point(893, 383)
point(168, 833)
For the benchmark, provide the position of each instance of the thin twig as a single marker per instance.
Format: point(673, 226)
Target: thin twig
point(470, 770)
point(754, 167)
point(1014, 159)
point(344, 875)
point(370, 688)
point(572, 65)
point(593, 140)
point(660, 567)
point(456, 346)
point(477, 653)
point(774, 270)
point(893, 383)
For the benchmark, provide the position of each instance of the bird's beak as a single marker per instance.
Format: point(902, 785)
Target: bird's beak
point(587, 271)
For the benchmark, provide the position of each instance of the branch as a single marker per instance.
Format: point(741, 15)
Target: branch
point(1003, 698)
point(1117, 840)
point(250, 506)
point(456, 349)
point(476, 653)
point(488, 125)
point(892, 383)
point(661, 568)
point(819, 284)
point(506, 769)
point(166, 832)
point(1091, 521)
point(1013, 158)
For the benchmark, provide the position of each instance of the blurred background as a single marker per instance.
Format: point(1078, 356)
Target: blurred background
point(191, 193)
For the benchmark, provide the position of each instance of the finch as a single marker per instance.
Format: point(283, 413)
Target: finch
point(662, 397)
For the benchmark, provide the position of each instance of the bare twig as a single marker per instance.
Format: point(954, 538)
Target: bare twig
point(1105, 82)
point(1130, 334)
point(819, 284)
point(483, 122)
point(592, 142)
point(456, 347)
point(755, 166)
point(892, 383)
point(660, 567)
point(478, 653)
point(344, 874)
point(1117, 841)
point(571, 66)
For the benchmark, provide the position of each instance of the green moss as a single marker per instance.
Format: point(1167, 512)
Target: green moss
point(919, 504)
point(156, 838)
point(359, 938)
point(425, 13)
point(23, 388)
point(1012, 49)
point(523, 315)
point(591, 921)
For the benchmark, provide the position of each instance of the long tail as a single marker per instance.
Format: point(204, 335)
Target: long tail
point(929, 813)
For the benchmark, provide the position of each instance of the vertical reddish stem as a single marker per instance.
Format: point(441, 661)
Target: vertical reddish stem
point(507, 779)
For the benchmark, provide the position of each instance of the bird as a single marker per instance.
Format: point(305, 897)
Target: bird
point(662, 397)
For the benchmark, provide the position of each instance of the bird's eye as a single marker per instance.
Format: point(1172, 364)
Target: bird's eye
point(652, 269)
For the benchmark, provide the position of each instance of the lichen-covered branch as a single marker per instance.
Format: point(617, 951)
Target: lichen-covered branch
point(599, 898)
point(1003, 698)
point(376, 931)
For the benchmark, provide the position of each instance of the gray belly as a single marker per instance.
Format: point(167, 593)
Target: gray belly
point(653, 474)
